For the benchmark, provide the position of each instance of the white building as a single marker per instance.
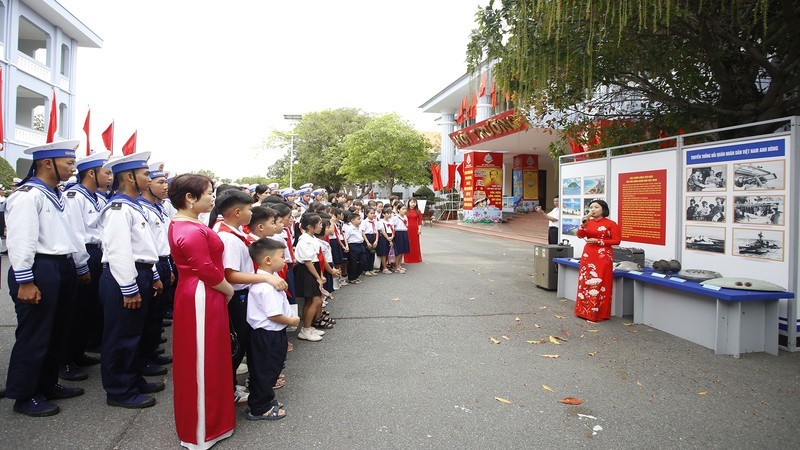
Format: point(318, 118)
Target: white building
point(39, 40)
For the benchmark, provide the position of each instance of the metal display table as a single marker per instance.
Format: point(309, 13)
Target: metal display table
point(728, 321)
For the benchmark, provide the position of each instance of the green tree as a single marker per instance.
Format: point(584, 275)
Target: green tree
point(7, 173)
point(650, 64)
point(387, 150)
point(317, 147)
point(255, 179)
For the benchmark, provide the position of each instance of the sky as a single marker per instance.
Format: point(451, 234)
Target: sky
point(205, 83)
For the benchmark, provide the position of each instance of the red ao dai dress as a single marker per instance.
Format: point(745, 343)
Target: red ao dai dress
point(596, 272)
point(201, 345)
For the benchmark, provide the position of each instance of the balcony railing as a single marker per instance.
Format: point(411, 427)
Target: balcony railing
point(33, 67)
point(29, 136)
point(63, 83)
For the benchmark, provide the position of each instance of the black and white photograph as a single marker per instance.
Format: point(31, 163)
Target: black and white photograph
point(761, 244)
point(707, 179)
point(705, 239)
point(705, 209)
point(760, 175)
point(759, 209)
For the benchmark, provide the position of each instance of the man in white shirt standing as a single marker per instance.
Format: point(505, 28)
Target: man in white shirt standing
point(553, 217)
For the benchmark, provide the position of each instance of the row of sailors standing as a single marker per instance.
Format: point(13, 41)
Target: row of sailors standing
point(87, 270)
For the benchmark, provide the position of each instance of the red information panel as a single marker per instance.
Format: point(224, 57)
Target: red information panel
point(643, 206)
point(483, 180)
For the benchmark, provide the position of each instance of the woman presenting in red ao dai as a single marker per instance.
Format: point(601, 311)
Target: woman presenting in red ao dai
point(596, 273)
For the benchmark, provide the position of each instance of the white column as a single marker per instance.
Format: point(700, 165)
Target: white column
point(448, 125)
point(484, 107)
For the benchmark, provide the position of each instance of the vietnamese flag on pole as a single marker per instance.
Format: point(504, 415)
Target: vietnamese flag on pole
point(436, 177)
point(53, 124)
point(130, 147)
point(451, 176)
point(460, 170)
point(493, 95)
point(483, 84)
point(86, 130)
point(475, 106)
point(108, 138)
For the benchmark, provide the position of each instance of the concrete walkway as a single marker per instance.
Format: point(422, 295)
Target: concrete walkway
point(410, 364)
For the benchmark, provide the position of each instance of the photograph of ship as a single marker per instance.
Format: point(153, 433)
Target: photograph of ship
point(705, 239)
point(705, 209)
point(762, 244)
point(570, 226)
point(594, 185)
point(761, 209)
point(571, 186)
point(709, 178)
point(587, 202)
point(761, 175)
point(571, 206)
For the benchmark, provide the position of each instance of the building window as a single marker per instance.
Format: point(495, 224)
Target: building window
point(32, 41)
point(62, 120)
point(30, 109)
point(2, 22)
point(65, 60)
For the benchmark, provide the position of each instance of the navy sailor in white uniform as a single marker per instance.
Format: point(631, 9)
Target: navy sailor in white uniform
point(42, 280)
point(127, 285)
point(85, 319)
point(158, 219)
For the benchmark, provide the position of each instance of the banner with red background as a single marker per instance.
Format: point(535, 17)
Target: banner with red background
point(483, 180)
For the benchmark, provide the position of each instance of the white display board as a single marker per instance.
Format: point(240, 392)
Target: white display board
point(735, 192)
point(580, 182)
point(660, 160)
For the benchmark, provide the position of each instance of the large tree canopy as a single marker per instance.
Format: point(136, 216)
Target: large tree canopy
point(387, 150)
point(317, 147)
point(652, 64)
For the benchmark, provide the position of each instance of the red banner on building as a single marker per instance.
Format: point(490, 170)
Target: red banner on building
point(483, 180)
point(526, 182)
point(509, 122)
point(643, 206)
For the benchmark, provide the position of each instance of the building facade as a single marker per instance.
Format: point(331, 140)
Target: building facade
point(487, 107)
point(39, 40)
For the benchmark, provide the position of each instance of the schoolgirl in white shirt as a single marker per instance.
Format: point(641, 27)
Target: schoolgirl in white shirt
point(308, 280)
point(369, 228)
point(401, 245)
point(357, 258)
point(385, 238)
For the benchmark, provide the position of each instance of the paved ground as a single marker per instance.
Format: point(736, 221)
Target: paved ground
point(410, 364)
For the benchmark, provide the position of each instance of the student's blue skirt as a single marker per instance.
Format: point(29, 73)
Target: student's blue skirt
point(383, 246)
point(337, 251)
point(401, 245)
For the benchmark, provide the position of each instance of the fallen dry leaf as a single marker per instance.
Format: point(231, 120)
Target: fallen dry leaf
point(638, 383)
point(502, 400)
point(592, 353)
point(547, 388)
point(472, 298)
point(550, 356)
point(554, 340)
point(571, 401)
point(543, 307)
point(540, 341)
point(590, 321)
point(537, 325)
point(505, 337)
point(702, 393)
point(558, 317)
point(494, 341)
point(517, 319)
point(627, 324)
point(592, 331)
point(396, 299)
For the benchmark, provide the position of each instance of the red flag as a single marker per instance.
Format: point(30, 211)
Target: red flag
point(451, 176)
point(2, 125)
point(483, 84)
point(130, 147)
point(493, 95)
point(467, 108)
point(475, 105)
point(437, 177)
point(108, 138)
point(86, 130)
point(460, 116)
point(53, 124)
point(460, 170)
